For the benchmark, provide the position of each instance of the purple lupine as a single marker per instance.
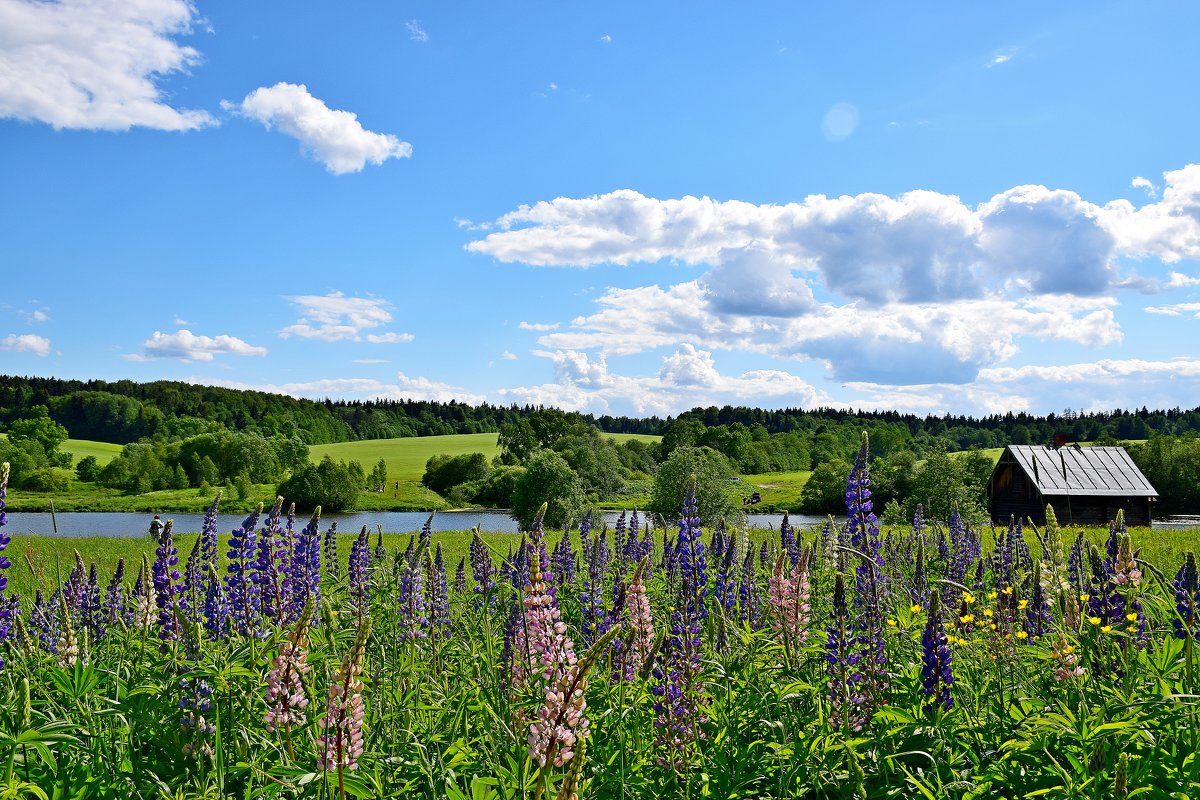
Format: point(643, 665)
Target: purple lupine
point(438, 596)
point(6, 615)
point(195, 703)
point(93, 609)
point(191, 596)
point(632, 551)
point(360, 564)
point(937, 675)
point(787, 540)
point(871, 666)
point(304, 576)
point(482, 570)
point(749, 601)
point(115, 610)
point(379, 554)
point(217, 611)
point(75, 588)
point(1187, 599)
point(209, 544)
point(425, 538)
point(244, 597)
point(619, 537)
point(411, 601)
point(269, 573)
point(563, 559)
point(1039, 620)
point(678, 690)
point(764, 555)
point(1077, 564)
point(841, 658)
point(725, 589)
point(919, 590)
point(596, 555)
point(167, 586)
point(460, 576)
point(333, 566)
point(43, 622)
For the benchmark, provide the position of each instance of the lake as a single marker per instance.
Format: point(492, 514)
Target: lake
point(124, 524)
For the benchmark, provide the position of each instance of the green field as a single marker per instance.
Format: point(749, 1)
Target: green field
point(80, 448)
point(780, 490)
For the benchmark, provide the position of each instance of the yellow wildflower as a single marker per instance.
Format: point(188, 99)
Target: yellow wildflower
point(891, 622)
point(987, 612)
point(1094, 620)
point(1007, 590)
point(1022, 635)
point(968, 598)
point(1131, 617)
point(1083, 598)
point(1023, 604)
point(916, 608)
point(967, 619)
point(1106, 629)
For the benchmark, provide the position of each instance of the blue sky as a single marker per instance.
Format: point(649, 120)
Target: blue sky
point(616, 208)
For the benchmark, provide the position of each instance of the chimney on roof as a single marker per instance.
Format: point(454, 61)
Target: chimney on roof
point(1060, 440)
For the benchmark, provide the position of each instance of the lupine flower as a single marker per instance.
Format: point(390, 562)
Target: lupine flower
point(871, 666)
point(114, 610)
point(93, 612)
point(678, 691)
point(1067, 659)
point(44, 623)
point(191, 594)
point(67, 651)
point(243, 593)
point(360, 563)
point(167, 586)
point(541, 650)
point(749, 603)
point(726, 589)
point(1187, 598)
point(6, 615)
point(563, 559)
point(341, 740)
point(788, 592)
point(272, 564)
point(380, 552)
point(618, 537)
point(841, 657)
point(787, 539)
point(637, 648)
point(411, 599)
point(437, 595)
point(195, 703)
point(144, 599)
point(596, 555)
point(216, 606)
point(333, 565)
point(460, 576)
point(209, 543)
point(304, 580)
point(936, 674)
point(481, 570)
point(425, 538)
point(286, 698)
point(919, 590)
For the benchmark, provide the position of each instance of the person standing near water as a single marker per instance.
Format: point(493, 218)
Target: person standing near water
point(156, 527)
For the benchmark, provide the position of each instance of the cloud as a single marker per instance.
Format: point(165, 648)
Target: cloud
point(508, 356)
point(421, 388)
point(335, 138)
point(1176, 310)
point(538, 326)
point(606, 39)
point(95, 64)
point(1175, 280)
point(1142, 183)
point(1003, 58)
point(388, 338)
point(187, 346)
point(415, 32)
point(180, 321)
point(26, 343)
point(334, 317)
point(369, 361)
point(687, 378)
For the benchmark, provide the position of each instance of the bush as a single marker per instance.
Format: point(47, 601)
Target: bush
point(51, 479)
point(443, 471)
point(88, 469)
point(547, 479)
point(329, 484)
point(710, 471)
point(825, 492)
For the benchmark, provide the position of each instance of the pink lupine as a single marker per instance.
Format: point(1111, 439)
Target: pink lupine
point(788, 592)
point(285, 686)
point(639, 645)
point(342, 740)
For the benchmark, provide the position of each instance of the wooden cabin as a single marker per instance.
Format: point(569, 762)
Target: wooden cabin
point(1084, 485)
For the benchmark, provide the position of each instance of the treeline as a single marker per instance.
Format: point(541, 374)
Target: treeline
point(127, 411)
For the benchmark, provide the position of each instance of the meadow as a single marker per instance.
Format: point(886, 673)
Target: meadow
point(936, 659)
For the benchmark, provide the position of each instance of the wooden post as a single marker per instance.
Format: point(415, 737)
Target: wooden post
point(53, 517)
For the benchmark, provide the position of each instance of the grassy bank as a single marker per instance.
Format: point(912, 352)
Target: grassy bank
point(43, 560)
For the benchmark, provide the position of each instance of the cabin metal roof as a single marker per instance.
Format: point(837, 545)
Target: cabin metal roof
point(1082, 471)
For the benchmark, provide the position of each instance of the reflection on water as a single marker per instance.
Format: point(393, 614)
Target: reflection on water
point(97, 523)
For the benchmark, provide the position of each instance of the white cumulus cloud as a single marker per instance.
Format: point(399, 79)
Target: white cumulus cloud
point(335, 317)
point(26, 343)
point(187, 346)
point(335, 138)
point(95, 64)
point(416, 32)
